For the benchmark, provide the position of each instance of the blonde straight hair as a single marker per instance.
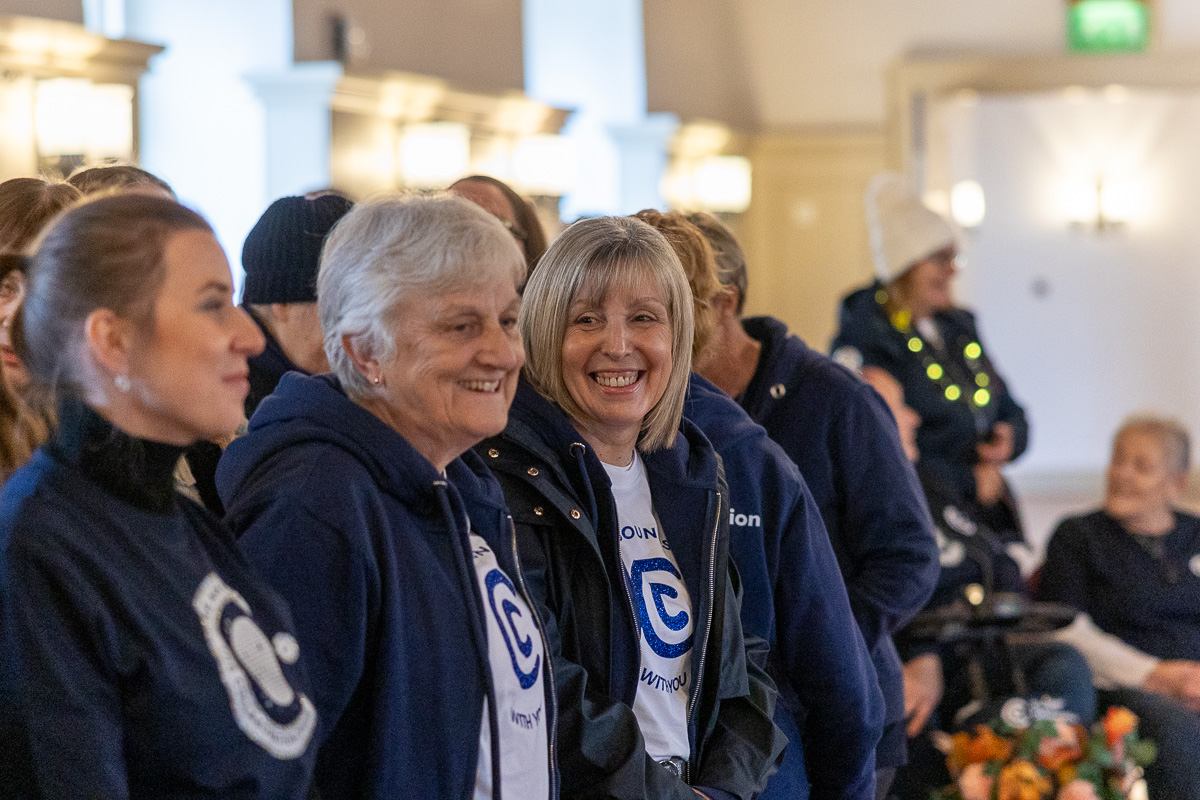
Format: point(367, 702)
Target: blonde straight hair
point(592, 258)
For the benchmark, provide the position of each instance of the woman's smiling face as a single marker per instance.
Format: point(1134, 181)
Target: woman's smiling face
point(454, 372)
point(616, 359)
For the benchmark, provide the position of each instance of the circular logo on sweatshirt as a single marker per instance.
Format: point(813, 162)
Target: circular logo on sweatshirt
point(1194, 565)
point(655, 583)
point(265, 706)
point(516, 627)
point(951, 552)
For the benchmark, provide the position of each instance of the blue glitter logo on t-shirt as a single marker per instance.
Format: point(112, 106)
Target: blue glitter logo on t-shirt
point(507, 614)
point(675, 622)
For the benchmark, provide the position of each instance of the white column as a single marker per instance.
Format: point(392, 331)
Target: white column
point(589, 55)
point(299, 125)
point(642, 161)
point(203, 130)
point(105, 17)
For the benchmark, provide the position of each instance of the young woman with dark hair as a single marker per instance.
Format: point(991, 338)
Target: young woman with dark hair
point(141, 656)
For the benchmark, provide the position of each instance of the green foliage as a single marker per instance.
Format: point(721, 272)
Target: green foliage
point(1142, 751)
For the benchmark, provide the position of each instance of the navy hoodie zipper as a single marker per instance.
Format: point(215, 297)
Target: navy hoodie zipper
point(712, 591)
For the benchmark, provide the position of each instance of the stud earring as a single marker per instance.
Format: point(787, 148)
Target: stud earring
point(375, 381)
point(122, 383)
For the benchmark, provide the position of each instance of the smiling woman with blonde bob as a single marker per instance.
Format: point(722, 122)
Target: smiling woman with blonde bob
point(622, 524)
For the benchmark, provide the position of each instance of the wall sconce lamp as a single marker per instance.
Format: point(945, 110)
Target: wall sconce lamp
point(719, 184)
point(77, 121)
point(432, 155)
point(1101, 206)
point(544, 164)
point(967, 204)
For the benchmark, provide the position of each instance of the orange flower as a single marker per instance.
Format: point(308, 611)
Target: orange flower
point(973, 784)
point(1021, 780)
point(1078, 790)
point(984, 746)
point(1062, 749)
point(1118, 722)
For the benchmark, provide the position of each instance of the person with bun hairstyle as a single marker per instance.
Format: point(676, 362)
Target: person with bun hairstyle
point(114, 178)
point(793, 596)
point(140, 655)
point(907, 323)
point(840, 434)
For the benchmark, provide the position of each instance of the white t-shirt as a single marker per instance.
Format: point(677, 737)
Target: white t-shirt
point(664, 611)
point(517, 658)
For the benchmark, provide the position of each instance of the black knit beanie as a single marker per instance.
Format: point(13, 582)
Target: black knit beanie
point(283, 250)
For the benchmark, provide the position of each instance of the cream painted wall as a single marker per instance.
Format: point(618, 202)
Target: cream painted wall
point(1088, 328)
point(202, 127)
point(473, 44)
point(697, 66)
point(823, 63)
point(805, 233)
point(66, 10)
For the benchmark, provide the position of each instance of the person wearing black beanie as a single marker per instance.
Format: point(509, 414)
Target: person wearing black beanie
point(280, 256)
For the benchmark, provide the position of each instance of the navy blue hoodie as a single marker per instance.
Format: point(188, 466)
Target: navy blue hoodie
point(150, 659)
point(370, 545)
point(842, 436)
point(794, 598)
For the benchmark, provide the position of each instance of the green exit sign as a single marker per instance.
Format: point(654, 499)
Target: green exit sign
point(1108, 26)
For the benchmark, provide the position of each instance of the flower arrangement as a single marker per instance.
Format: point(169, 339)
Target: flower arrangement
point(1036, 752)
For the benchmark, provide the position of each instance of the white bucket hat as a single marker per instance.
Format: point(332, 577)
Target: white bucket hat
point(903, 230)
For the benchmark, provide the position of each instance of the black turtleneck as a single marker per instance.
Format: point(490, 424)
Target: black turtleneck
point(121, 599)
point(138, 471)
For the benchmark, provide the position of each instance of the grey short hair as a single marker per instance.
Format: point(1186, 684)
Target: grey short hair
point(731, 261)
point(596, 256)
point(386, 248)
point(1171, 434)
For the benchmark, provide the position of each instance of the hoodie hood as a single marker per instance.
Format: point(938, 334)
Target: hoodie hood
point(781, 364)
point(307, 410)
point(865, 331)
point(718, 415)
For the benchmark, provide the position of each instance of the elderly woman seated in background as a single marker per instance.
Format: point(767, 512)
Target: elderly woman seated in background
point(1133, 566)
point(356, 495)
point(622, 519)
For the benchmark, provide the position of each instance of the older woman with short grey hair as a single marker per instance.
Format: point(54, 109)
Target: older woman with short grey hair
point(357, 496)
point(622, 522)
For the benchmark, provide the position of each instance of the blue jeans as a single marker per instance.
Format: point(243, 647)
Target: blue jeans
point(1175, 774)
